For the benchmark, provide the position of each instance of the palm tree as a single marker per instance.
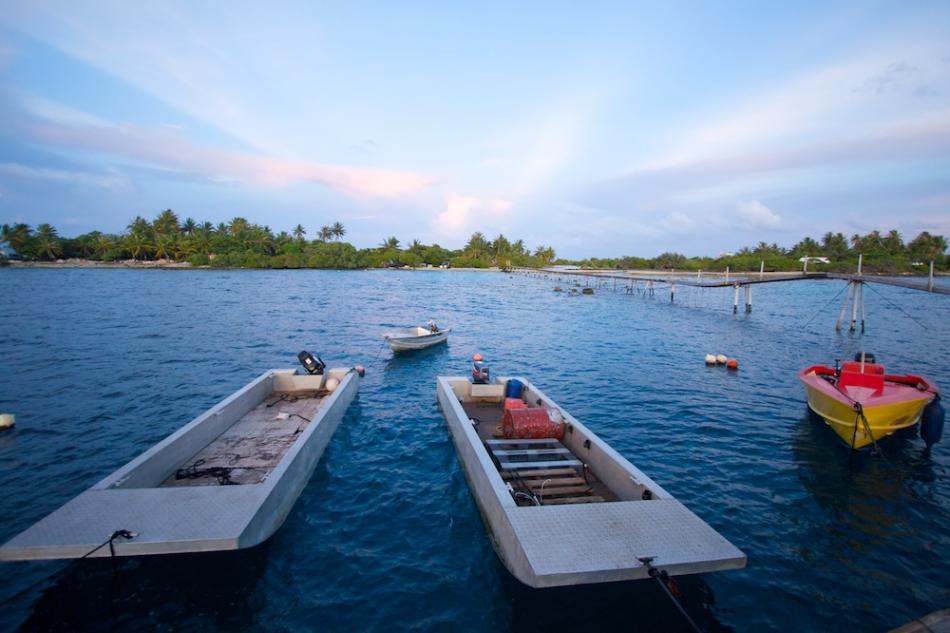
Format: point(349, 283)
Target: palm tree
point(166, 222)
point(17, 236)
point(189, 226)
point(102, 245)
point(47, 241)
point(325, 233)
point(138, 245)
point(140, 226)
point(390, 242)
point(476, 246)
point(299, 232)
point(165, 246)
point(338, 230)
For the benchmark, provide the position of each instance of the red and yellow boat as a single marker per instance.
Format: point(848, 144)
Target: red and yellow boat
point(862, 404)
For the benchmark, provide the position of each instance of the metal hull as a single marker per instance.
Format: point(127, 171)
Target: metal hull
point(559, 545)
point(408, 343)
point(193, 518)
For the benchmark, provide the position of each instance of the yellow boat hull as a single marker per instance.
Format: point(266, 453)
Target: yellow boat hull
point(883, 420)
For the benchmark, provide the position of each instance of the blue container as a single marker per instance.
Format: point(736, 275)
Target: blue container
point(513, 389)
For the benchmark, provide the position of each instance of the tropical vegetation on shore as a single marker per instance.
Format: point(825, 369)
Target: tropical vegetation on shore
point(243, 244)
point(882, 253)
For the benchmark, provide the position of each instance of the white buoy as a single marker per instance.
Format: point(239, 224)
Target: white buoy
point(332, 384)
point(721, 359)
point(710, 359)
point(7, 420)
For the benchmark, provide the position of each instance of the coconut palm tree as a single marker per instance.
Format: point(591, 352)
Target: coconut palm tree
point(17, 236)
point(102, 245)
point(299, 232)
point(325, 233)
point(477, 245)
point(166, 222)
point(338, 230)
point(140, 226)
point(138, 245)
point(390, 242)
point(188, 226)
point(47, 241)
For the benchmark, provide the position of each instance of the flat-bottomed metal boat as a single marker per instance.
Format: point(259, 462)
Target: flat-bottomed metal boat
point(224, 481)
point(568, 509)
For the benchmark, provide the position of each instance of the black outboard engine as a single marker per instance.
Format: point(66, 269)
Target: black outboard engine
point(868, 357)
point(480, 373)
point(314, 366)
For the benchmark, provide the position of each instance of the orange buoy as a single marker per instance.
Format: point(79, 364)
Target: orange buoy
point(477, 357)
point(732, 363)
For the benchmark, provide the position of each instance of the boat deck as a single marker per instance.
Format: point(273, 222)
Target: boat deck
point(540, 471)
point(253, 446)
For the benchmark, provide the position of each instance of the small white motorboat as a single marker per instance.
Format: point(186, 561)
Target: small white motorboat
point(224, 481)
point(416, 338)
point(562, 507)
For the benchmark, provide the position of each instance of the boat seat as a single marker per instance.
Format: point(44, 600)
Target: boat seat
point(857, 379)
point(537, 453)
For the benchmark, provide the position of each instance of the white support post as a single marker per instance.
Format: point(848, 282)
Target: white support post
point(805, 266)
point(748, 298)
point(862, 308)
point(672, 290)
point(854, 305)
point(930, 280)
point(860, 262)
point(735, 299)
point(699, 273)
point(844, 305)
point(727, 274)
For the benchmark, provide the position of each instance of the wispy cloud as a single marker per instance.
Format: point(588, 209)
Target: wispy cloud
point(106, 180)
point(167, 148)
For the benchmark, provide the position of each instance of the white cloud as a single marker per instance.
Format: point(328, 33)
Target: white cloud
point(461, 213)
point(756, 215)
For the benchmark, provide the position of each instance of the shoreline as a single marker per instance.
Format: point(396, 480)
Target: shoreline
point(166, 264)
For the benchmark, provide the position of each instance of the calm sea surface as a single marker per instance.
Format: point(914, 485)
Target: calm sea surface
point(98, 365)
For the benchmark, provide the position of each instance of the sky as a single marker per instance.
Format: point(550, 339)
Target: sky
point(601, 129)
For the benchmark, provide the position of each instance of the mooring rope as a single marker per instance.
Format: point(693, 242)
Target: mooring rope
point(666, 581)
point(824, 307)
point(907, 314)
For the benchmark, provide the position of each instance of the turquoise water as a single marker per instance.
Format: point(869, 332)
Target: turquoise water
point(99, 365)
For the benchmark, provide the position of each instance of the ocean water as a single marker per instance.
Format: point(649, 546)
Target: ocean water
point(99, 365)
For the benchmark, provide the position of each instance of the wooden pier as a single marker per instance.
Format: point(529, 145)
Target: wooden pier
point(671, 279)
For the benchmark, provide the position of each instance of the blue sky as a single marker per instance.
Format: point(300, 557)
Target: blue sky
point(600, 129)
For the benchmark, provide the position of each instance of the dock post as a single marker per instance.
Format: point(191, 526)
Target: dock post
point(748, 298)
point(727, 274)
point(699, 273)
point(761, 268)
point(854, 305)
point(860, 262)
point(805, 265)
point(672, 290)
point(735, 300)
point(844, 304)
point(930, 280)
point(862, 308)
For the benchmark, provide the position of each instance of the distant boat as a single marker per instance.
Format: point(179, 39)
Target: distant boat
point(561, 507)
point(224, 481)
point(415, 338)
point(888, 402)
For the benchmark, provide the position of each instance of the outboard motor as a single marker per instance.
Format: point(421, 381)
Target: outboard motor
point(931, 422)
point(314, 366)
point(868, 357)
point(480, 373)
